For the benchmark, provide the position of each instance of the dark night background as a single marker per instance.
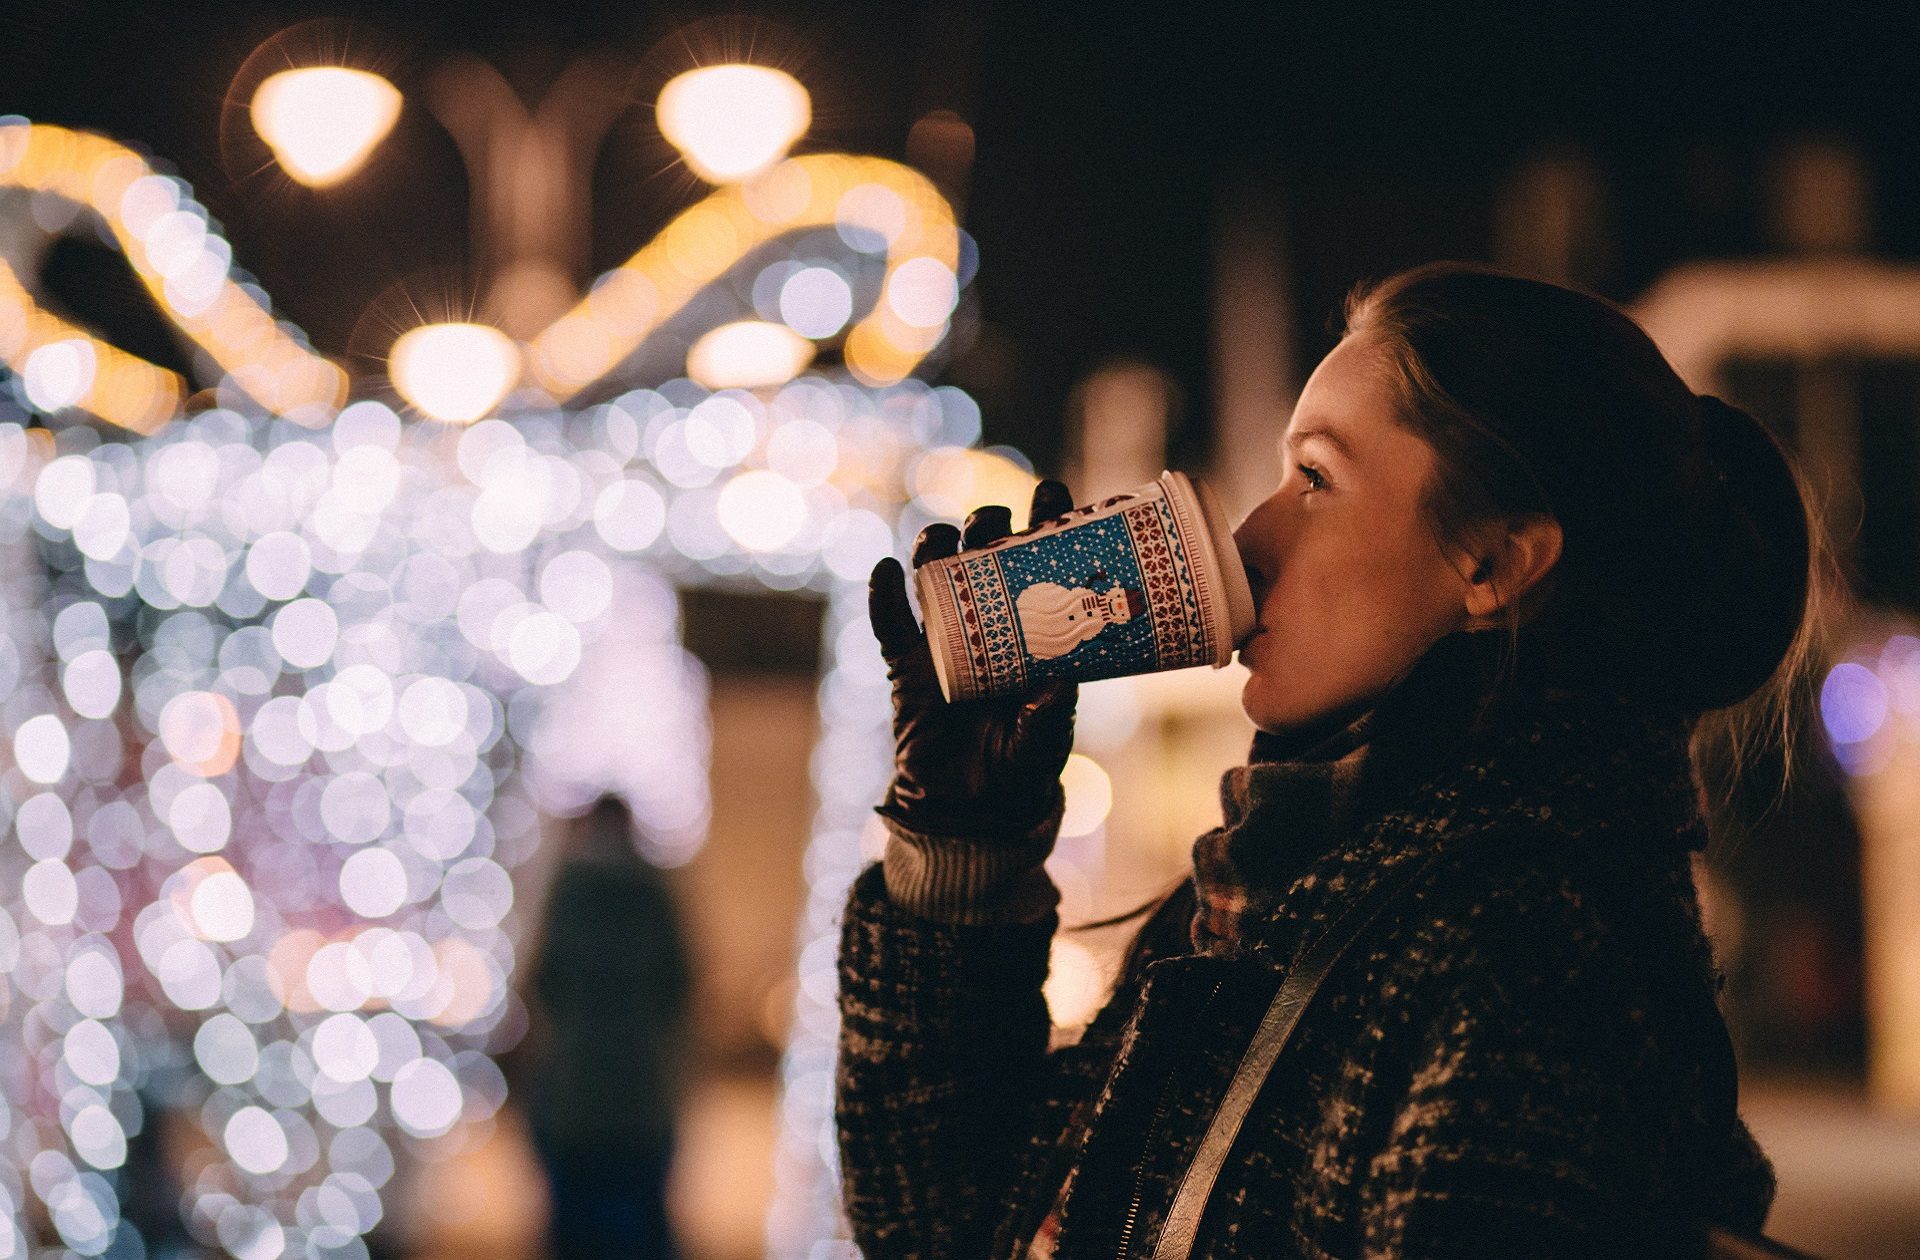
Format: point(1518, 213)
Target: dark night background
point(1109, 139)
point(1105, 137)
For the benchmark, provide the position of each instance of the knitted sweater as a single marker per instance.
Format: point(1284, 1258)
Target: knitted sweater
point(1512, 1066)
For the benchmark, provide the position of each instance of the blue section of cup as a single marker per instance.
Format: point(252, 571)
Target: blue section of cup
point(1096, 556)
point(1138, 582)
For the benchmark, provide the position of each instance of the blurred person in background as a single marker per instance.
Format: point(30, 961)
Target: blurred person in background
point(1514, 568)
point(603, 1067)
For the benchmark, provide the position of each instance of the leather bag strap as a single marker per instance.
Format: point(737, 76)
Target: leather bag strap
point(1276, 1029)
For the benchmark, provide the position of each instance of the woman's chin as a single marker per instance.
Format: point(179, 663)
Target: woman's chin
point(1259, 707)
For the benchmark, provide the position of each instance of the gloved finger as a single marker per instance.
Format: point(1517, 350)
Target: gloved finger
point(890, 614)
point(935, 542)
point(1045, 721)
point(1050, 499)
point(916, 687)
point(987, 524)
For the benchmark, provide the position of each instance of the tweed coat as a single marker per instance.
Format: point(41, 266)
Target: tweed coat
point(1514, 1066)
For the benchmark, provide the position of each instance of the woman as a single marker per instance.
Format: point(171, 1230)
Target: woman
point(1511, 563)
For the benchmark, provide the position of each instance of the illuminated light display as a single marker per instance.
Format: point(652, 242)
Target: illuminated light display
point(879, 207)
point(322, 122)
point(339, 641)
point(64, 366)
point(303, 802)
point(300, 696)
point(183, 263)
point(278, 846)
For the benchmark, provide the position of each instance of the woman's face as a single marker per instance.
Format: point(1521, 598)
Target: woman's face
point(1349, 583)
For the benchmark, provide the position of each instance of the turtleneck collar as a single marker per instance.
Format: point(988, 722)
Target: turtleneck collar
point(1305, 791)
point(1445, 693)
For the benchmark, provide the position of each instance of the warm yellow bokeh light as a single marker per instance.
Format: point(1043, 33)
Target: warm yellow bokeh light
point(184, 266)
point(953, 480)
point(454, 372)
point(748, 355)
point(1076, 984)
point(882, 200)
point(1089, 793)
point(730, 122)
point(322, 121)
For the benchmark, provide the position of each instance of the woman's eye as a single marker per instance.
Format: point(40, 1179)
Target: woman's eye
point(1315, 481)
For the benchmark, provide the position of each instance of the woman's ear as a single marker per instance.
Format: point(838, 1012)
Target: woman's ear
point(1512, 564)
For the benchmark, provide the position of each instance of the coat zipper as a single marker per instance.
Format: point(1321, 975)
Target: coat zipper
point(1146, 1143)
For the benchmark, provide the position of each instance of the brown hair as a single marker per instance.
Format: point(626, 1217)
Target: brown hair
point(1693, 574)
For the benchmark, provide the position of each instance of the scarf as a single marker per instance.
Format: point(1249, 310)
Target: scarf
point(1448, 729)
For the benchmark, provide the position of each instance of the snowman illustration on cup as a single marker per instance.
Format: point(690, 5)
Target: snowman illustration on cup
point(1056, 619)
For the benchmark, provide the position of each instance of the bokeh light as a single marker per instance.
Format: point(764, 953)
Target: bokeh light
point(290, 702)
point(952, 481)
point(762, 510)
point(732, 121)
point(1089, 793)
point(454, 372)
point(1853, 703)
point(322, 122)
point(1870, 704)
point(748, 354)
point(59, 374)
point(186, 266)
point(1075, 984)
point(816, 301)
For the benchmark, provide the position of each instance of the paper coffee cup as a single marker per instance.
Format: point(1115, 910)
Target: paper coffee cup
point(1134, 584)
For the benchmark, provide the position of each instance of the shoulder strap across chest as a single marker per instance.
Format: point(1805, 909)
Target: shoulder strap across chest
point(1276, 1027)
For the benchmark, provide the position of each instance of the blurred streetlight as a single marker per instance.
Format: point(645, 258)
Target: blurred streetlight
point(323, 121)
point(454, 372)
point(732, 121)
point(528, 171)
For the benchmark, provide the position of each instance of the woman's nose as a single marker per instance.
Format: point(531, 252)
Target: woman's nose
point(1257, 540)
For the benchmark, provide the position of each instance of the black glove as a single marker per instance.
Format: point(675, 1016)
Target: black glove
point(980, 767)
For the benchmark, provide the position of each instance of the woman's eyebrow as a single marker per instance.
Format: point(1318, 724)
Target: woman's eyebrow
point(1332, 437)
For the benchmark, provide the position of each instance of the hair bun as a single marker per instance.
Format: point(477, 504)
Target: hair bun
point(1748, 575)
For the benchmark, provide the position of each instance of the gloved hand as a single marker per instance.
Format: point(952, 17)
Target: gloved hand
point(979, 768)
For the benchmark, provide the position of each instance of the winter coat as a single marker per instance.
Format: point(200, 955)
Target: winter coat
point(1513, 1066)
